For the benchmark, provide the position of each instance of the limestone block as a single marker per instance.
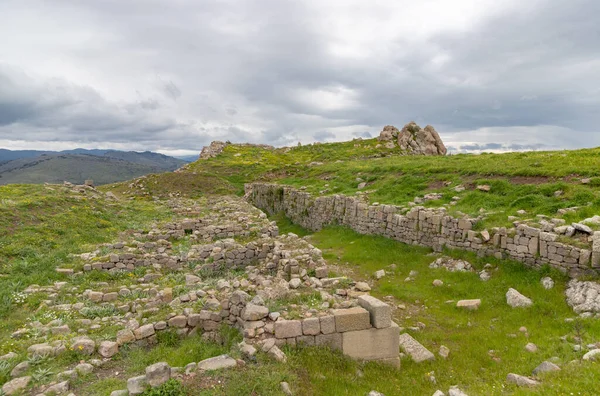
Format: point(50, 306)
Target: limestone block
point(125, 336)
point(194, 320)
point(84, 345)
point(533, 246)
point(288, 328)
point(471, 305)
point(95, 296)
point(394, 362)
point(137, 385)
point(108, 349)
point(327, 324)
point(307, 340)
point(158, 373)
point(254, 312)
point(596, 249)
point(372, 343)
point(351, 319)
point(311, 326)
point(380, 313)
point(584, 257)
point(333, 340)
point(414, 349)
point(144, 331)
point(178, 321)
point(108, 297)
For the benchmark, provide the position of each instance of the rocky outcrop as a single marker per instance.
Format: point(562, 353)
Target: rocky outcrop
point(413, 139)
point(215, 148)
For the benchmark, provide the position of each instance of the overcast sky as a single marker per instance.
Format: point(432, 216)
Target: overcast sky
point(172, 75)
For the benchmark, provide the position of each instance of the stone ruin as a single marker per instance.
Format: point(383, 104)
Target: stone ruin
point(215, 148)
point(432, 227)
point(220, 263)
point(412, 139)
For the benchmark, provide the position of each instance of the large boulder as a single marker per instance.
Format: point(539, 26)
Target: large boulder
point(389, 132)
point(415, 140)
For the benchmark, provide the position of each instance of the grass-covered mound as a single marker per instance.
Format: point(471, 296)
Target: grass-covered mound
point(537, 182)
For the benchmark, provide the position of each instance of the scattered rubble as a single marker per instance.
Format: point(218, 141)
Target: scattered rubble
point(584, 297)
point(452, 265)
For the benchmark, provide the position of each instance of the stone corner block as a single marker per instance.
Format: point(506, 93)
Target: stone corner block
point(352, 319)
point(380, 313)
point(372, 344)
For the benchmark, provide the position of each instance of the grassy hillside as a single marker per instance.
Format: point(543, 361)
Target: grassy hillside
point(147, 158)
point(537, 182)
point(76, 168)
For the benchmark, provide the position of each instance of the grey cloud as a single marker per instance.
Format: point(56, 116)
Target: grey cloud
point(171, 90)
point(260, 70)
point(322, 136)
point(496, 147)
point(521, 147)
point(365, 134)
point(61, 111)
point(481, 147)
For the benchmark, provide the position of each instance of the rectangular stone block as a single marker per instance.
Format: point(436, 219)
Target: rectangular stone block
point(352, 319)
point(210, 325)
point(306, 340)
point(533, 246)
point(372, 344)
point(471, 305)
point(584, 257)
point(333, 341)
point(327, 324)
point(394, 362)
point(380, 313)
point(311, 326)
point(414, 349)
point(288, 328)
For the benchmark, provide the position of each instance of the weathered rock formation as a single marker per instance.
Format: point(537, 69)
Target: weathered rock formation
point(215, 148)
point(414, 140)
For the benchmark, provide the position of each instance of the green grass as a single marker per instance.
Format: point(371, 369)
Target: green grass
point(518, 180)
point(469, 335)
point(176, 351)
point(188, 184)
point(286, 226)
point(40, 228)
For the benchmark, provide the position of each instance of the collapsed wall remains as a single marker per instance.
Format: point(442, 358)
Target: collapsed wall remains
point(426, 227)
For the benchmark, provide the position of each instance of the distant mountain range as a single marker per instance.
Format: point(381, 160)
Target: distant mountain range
point(76, 166)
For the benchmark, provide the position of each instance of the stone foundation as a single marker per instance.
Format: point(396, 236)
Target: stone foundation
point(426, 227)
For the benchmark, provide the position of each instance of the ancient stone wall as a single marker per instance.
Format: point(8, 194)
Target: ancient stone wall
point(365, 332)
point(427, 227)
